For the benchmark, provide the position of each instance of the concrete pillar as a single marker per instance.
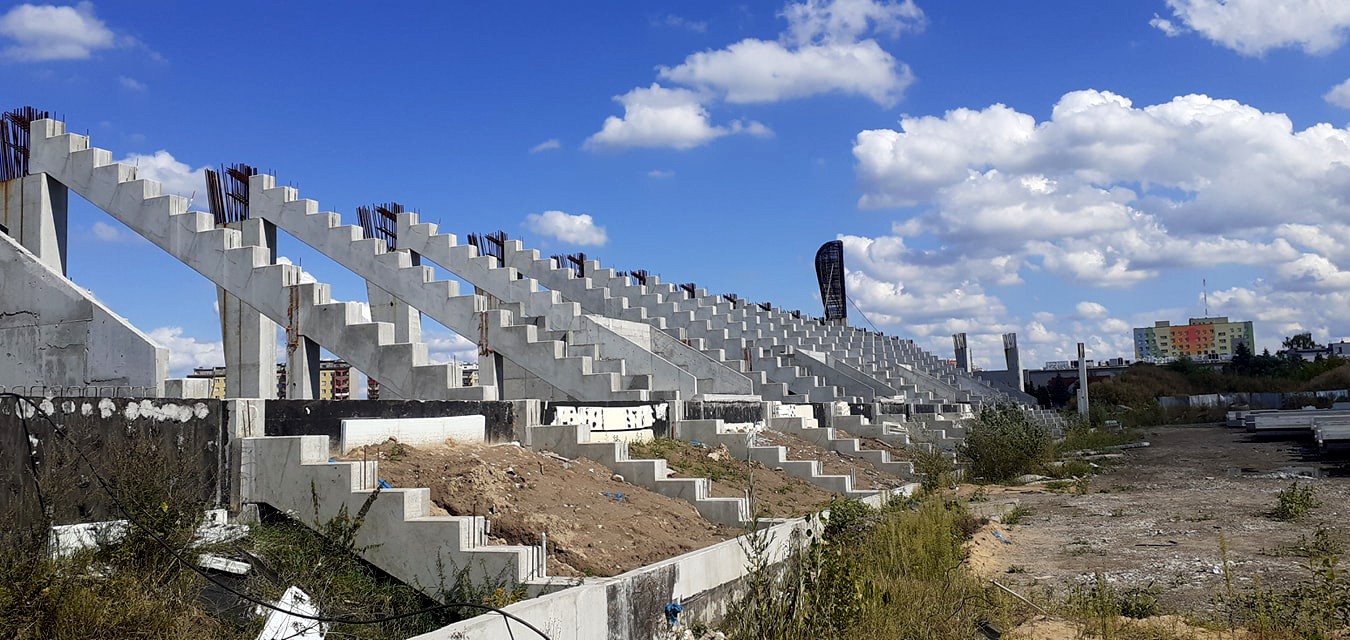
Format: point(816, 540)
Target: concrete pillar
point(250, 337)
point(1082, 382)
point(1014, 359)
point(962, 352)
point(302, 369)
point(33, 210)
point(384, 307)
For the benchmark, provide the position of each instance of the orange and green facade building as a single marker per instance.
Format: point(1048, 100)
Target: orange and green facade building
point(1200, 339)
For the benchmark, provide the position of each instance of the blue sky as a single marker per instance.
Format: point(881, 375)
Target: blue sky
point(1062, 169)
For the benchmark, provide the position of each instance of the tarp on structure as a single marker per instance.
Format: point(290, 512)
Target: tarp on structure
point(830, 275)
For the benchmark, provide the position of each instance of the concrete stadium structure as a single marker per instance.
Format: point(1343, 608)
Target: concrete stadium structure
point(548, 333)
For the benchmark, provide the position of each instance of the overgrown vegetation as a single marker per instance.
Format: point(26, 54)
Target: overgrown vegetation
point(1318, 607)
point(893, 573)
point(136, 588)
point(1294, 502)
point(690, 462)
point(1002, 444)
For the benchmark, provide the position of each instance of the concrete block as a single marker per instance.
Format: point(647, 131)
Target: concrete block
point(412, 431)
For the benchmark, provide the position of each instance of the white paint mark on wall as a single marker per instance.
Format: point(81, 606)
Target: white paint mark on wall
point(614, 424)
point(67, 407)
point(132, 411)
point(47, 407)
point(200, 410)
point(106, 408)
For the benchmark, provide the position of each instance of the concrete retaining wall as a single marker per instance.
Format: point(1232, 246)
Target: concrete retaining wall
point(418, 432)
point(56, 334)
point(631, 606)
point(130, 441)
point(626, 420)
point(502, 420)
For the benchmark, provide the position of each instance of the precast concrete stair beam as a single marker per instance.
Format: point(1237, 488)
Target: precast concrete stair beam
point(574, 441)
point(398, 534)
point(596, 300)
point(676, 368)
point(246, 272)
point(739, 445)
point(508, 332)
point(724, 339)
point(825, 437)
point(681, 311)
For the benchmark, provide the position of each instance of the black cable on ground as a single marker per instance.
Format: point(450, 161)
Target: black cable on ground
point(112, 495)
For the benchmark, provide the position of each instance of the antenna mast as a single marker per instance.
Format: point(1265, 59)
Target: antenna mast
point(1204, 293)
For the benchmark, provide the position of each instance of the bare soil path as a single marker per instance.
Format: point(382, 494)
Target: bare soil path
point(1157, 518)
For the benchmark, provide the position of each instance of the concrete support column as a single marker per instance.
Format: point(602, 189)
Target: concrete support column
point(384, 307)
point(1082, 382)
point(250, 337)
point(33, 211)
point(1016, 375)
point(302, 369)
point(962, 352)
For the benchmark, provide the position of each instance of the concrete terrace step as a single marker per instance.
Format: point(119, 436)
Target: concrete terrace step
point(399, 535)
point(738, 443)
point(825, 437)
point(575, 441)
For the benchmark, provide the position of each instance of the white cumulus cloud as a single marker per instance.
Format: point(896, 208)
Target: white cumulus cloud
point(577, 229)
point(449, 348)
point(50, 32)
point(187, 352)
point(826, 48)
point(657, 116)
point(131, 84)
point(174, 176)
point(1101, 194)
point(1253, 27)
point(1339, 95)
point(822, 51)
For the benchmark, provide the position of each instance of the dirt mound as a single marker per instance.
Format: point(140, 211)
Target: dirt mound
point(596, 525)
point(776, 494)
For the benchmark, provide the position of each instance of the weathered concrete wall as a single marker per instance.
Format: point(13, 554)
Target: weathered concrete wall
point(53, 333)
point(129, 441)
point(324, 417)
point(626, 420)
point(632, 606)
point(731, 412)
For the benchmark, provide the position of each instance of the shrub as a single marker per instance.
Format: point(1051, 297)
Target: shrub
point(1295, 502)
point(1003, 444)
point(934, 468)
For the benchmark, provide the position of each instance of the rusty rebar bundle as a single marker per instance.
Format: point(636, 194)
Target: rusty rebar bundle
point(227, 192)
point(381, 221)
point(14, 141)
point(576, 262)
point(638, 275)
point(489, 244)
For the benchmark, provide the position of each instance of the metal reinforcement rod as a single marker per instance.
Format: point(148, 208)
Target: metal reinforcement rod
point(1019, 597)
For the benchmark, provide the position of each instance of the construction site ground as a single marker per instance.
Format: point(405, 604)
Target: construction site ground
point(1155, 519)
point(597, 525)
